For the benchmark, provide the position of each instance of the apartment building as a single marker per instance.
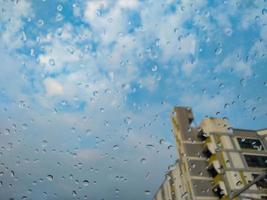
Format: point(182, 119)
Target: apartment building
point(215, 160)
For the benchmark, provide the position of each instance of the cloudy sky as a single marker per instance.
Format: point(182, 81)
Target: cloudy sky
point(87, 88)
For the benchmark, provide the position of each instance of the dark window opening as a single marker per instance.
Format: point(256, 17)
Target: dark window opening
point(250, 143)
point(212, 171)
point(207, 152)
point(256, 161)
point(202, 135)
point(218, 191)
point(262, 183)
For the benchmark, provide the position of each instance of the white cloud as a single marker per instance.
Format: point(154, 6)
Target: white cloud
point(188, 67)
point(88, 154)
point(58, 55)
point(53, 87)
point(258, 50)
point(149, 82)
point(93, 9)
point(11, 17)
point(239, 66)
point(128, 3)
point(187, 45)
point(202, 103)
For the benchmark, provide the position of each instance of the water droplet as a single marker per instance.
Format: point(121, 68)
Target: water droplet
point(102, 110)
point(150, 146)
point(44, 143)
point(154, 68)
point(127, 120)
point(115, 147)
point(7, 131)
point(117, 191)
point(242, 82)
point(147, 192)
point(157, 42)
point(218, 51)
point(23, 37)
point(184, 195)
point(221, 85)
point(161, 141)
point(98, 13)
point(64, 103)
point(59, 17)
point(22, 104)
point(95, 93)
point(40, 22)
point(143, 160)
point(147, 176)
point(50, 177)
point(85, 183)
point(264, 11)
point(226, 105)
point(24, 126)
point(51, 62)
point(74, 193)
point(12, 173)
point(59, 8)
point(88, 132)
point(228, 31)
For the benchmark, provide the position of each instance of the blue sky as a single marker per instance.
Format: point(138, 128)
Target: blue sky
point(87, 88)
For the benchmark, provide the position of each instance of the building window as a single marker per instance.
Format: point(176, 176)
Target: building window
point(262, 183)
point(207, 152)
point(256, 161)
point(202, 135)
point(250, 143)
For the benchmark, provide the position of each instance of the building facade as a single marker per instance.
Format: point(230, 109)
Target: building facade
point(215, 160)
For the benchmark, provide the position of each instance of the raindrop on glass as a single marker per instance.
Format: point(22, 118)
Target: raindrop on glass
point(264, 11)
point(115, 147)
point(85, 183)
point(40, 22)
point(154, 68)
point(127, 120)
point(44, 143)
point(50, 177)
point(59, 8)
point(218, 51)
point(51, 62)
point(74, 193)
point(143, 160)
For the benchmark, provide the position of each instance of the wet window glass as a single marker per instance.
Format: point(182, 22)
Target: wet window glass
point(262, 183)
point(88, 87)
point(250, 143)
point(256, 160)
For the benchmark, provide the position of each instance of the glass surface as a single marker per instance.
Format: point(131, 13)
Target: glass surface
point(262, 183)
point(87, 88)
point(250, 143)
point(256, 161)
